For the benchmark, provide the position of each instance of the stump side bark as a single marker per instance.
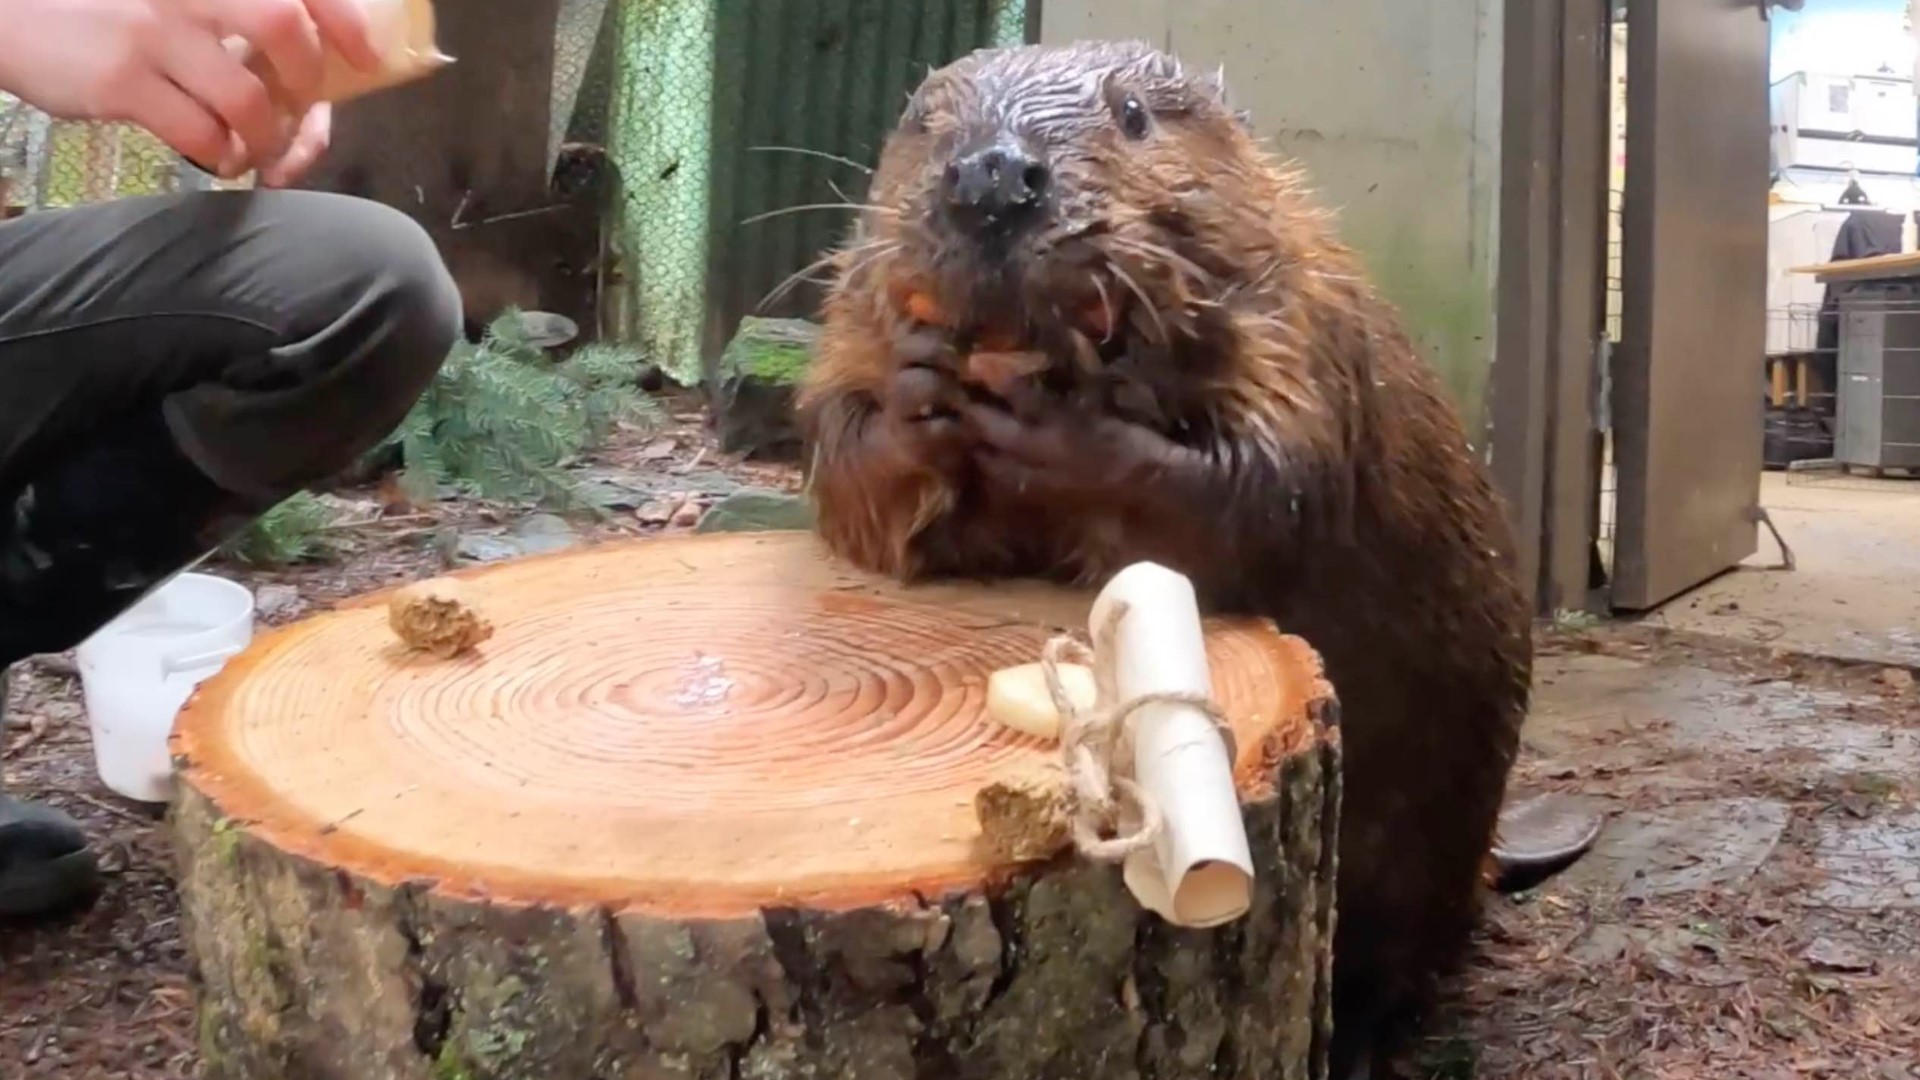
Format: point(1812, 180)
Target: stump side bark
point(322, 952)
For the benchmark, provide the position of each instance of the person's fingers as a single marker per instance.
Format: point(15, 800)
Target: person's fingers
point(311, 141)
point(282, 31)
point(345, 26)
point(200, 65)
point(175, 118)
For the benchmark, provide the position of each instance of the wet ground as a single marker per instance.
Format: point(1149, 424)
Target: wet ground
point(1752, 909)
point(1855, 592)
point(1753, 906)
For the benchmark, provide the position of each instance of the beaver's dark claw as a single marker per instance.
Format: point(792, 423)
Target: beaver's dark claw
point(922, 417)
point(1069, 457)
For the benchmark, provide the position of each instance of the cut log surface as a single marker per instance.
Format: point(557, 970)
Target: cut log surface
point(702, 808)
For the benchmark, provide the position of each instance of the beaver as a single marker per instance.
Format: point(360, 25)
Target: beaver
point(1210, 382)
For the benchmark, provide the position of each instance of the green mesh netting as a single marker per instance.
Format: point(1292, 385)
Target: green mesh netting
point(47, 163)
point(708, 102)
point(658, 124)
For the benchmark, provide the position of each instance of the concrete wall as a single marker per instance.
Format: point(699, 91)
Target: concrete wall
point(1394, 108)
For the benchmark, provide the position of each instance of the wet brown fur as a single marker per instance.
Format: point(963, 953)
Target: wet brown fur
point(1348, 507)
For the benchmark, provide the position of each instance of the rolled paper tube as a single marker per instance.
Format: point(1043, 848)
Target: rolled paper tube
point(1199, 872)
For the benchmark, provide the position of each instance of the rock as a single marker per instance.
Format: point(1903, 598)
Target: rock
point(624, 489)
point(545, 532)
point(1826, 954)
point(277, 601)
point(758, 510)
point(547, 330)
point(658, 511)
point(1682, 848)
point(484, 548)
point(755, 384)
point(537, 534)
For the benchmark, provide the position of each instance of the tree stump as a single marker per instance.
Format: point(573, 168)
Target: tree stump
point(701, 810)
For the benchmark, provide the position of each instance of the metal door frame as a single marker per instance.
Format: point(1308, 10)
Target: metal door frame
point(1664, 224)
point(1544, 407)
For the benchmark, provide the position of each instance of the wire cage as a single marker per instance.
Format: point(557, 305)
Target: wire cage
point(1843, 386)
point(742, 132)
point(1798, 382)
point(48, 164)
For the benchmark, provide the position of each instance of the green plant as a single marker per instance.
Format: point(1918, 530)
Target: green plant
point(289, 533)
point(502, 420)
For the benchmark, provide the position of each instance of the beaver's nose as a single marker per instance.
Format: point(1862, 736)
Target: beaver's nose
point(998, 186)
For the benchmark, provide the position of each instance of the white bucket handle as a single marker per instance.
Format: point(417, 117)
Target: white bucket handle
point(180, 665)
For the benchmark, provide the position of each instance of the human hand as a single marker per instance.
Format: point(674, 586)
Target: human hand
point(310, 140)
point(165, 66)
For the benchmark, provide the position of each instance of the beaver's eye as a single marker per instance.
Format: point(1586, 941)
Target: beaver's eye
point(1133, 117)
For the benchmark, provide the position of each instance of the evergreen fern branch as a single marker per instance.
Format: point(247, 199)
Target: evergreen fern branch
point(503, 420)
point(289, 533)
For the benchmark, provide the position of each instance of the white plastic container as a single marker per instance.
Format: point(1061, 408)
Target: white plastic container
point(137, 671)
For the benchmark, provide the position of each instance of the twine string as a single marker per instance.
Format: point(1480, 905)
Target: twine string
point(1113, 816)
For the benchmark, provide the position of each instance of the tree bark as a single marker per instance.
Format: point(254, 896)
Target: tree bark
point(326, 949)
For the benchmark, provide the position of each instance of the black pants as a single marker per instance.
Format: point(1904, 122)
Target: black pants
point(171, 367)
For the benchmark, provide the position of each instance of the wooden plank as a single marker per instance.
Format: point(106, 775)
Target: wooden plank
point(1904, 264)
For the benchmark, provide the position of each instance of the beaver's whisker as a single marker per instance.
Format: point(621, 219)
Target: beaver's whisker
point(1106, 306)
point(1152, 250)
point(849, 162)
point(882, 251)
point(1264, 274)
point(1153, 312)
point(821, 206)
point(792, 281)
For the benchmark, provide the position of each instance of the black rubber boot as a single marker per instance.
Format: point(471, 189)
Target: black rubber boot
point(46, 867)
point(92, 536)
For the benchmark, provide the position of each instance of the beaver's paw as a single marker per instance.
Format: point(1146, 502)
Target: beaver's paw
point(921, 418)
point(1071, 457)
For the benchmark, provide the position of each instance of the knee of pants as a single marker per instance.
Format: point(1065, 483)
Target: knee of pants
point(412, 308)
point(377, 315)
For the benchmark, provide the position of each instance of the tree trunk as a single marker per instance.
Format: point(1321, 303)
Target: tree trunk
point(701, 810)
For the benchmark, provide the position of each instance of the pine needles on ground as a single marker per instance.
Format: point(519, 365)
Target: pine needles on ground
point(503, 420)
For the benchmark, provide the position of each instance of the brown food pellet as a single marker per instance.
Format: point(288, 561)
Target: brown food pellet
point(435, 616)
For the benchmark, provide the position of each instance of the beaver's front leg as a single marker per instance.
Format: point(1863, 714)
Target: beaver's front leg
point(889, 464)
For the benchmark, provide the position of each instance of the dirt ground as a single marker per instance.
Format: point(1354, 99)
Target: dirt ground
point(1753, 907)
point(1752, 910)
